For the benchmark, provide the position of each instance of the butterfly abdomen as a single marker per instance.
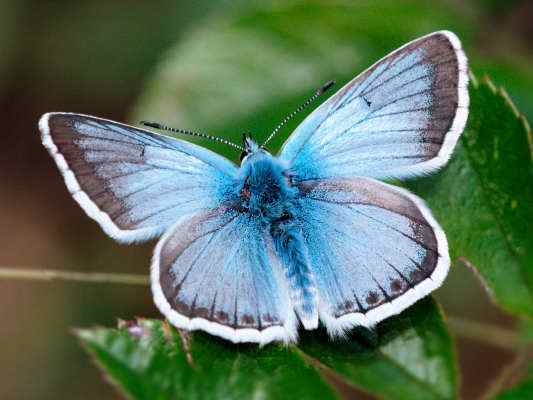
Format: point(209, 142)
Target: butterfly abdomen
point(293, 253)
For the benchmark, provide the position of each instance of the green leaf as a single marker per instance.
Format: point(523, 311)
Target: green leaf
point(483, 197)
point(512, 72)
point(522, 391)
point(519, 391)
point(409, 356)
point(152, 364)
point(412, 356)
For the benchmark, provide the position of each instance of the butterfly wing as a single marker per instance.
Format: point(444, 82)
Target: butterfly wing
point(374, 249)
point(217, 271)
point(134, 183)
point(401, 117)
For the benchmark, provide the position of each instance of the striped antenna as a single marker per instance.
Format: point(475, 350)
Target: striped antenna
point(159, 126)
point(320, 91)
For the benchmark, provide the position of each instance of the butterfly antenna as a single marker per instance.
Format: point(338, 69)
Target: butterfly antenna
point(320, 91)
point(162, 127)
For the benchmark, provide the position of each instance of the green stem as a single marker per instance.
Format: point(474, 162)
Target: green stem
point(62, 275)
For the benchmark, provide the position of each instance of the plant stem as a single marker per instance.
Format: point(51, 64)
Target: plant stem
point(487, 333)
point(62, 275)
point(490, 334)
point(510, 375)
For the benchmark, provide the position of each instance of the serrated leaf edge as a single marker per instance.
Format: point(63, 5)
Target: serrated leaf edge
point(83, 335)
point(500, 92)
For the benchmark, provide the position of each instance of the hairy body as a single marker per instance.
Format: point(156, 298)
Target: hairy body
point(266, 192)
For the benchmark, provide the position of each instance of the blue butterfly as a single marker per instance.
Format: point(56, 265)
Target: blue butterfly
point(249, 252)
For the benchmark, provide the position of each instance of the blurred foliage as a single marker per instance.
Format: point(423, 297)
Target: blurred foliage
point(138, 33)
point(496, 6)
point(8, 29)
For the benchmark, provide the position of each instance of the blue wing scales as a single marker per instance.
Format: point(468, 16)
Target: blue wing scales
point(402, 117)
point(134, 183)
point(217, 271)
point(375, 249)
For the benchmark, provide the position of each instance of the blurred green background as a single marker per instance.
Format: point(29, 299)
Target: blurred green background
point(177, 62)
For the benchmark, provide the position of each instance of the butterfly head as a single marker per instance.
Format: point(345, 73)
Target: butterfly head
point(262, 188)
point(250, 147)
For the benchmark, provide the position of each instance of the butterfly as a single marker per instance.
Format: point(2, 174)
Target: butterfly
point(251, 252)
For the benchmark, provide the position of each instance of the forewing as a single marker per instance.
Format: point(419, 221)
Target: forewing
point(401, 117)
point(217, 271)
point(134, 183)
point(375, 249)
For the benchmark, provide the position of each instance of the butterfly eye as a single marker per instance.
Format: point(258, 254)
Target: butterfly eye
point(288, 178)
